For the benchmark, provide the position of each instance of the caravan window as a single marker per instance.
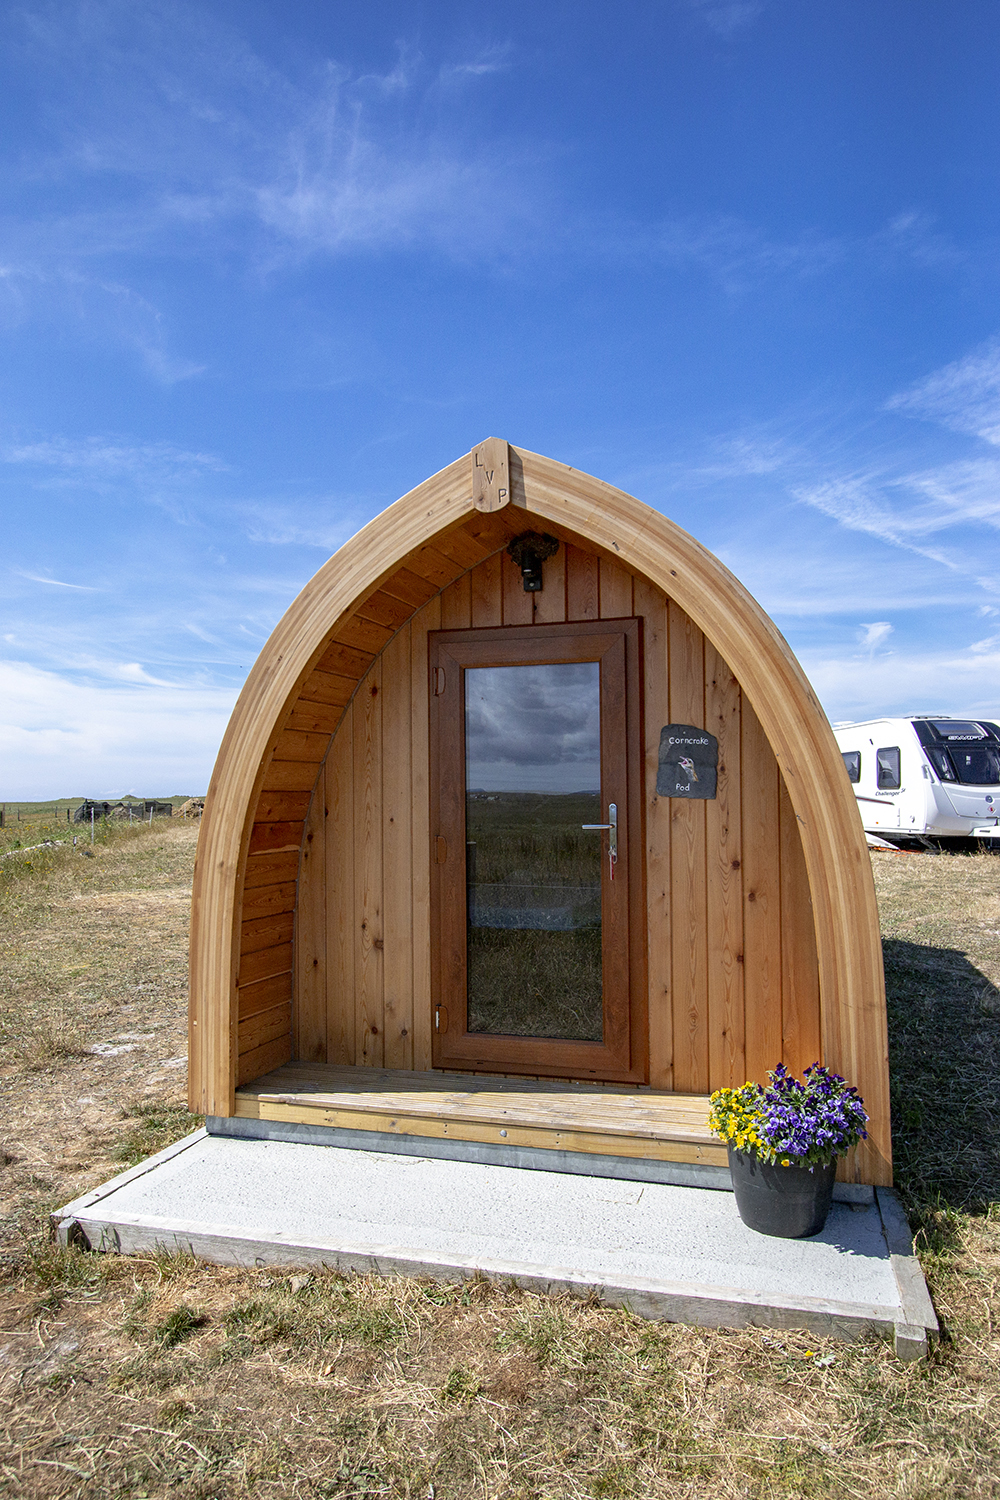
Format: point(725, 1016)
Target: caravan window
point(958, 729)
point(974, 767)
point(887, 761)
point(941, 762)
point(979, 767)
point(852, 760)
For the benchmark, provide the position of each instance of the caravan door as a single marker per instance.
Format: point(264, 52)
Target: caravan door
point(888, 786)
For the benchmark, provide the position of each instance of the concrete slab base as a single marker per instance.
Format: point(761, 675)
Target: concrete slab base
point(666, 1251)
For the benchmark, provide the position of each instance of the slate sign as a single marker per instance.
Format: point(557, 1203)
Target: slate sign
point(689, 761)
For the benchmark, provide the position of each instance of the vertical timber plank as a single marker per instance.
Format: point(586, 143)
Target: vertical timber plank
point(688, 896)
point(397, 837)
point(652, 606)
point(428, 618)
point(724, 870)
point(340, 893)
point(550, 602)
point(615, 590)
point(309, 995)
point(368, 898)
point(801, 1042)
point(517, 605)
point(456, 604)
point(487, 596)
point(582, 584)
point(761, 900)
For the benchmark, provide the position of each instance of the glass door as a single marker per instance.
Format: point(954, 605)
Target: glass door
point(535, 959)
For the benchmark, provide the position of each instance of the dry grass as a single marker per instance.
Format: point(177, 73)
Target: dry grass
point(166, 1378)
point(93, 989)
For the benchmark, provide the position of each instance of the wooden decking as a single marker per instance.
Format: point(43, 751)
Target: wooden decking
point(613, 1121)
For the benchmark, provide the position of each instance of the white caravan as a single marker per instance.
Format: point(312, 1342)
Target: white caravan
point(925, 776)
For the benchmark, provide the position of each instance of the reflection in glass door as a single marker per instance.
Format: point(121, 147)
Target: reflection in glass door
point(537, 948)
point(533, 874)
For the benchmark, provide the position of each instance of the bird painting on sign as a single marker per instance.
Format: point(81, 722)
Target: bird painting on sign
point(689, 760)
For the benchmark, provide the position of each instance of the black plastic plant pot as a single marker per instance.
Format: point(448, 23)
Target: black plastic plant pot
point(789, 1202)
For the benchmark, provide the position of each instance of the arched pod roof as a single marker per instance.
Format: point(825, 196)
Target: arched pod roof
point(433, 519)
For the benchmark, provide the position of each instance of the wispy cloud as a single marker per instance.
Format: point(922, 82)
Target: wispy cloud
point(135, 672)
point(326, 525)
point(954, 493)
point(322, 160)
point(59, 583)
point(874, 635)
point(859, 472)
point(915, 236)
point(911, 681)
point(44, 285)
point(860, 504)
point(740, 253)
point(964, 396)
point(908, 510)
point(733, 250)
point(936, 511)
point(62, 736)
point(110, 456)
point(497, 58)
point(168, 136)
point(727, 17)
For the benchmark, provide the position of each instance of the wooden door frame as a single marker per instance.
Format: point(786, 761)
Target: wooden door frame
point(623, 1057)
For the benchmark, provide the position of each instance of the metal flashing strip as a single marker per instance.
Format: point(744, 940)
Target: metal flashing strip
point(528, 1158)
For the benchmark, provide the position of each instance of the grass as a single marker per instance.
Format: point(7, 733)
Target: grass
point(82, 936)
point(159, 1377)
point(525, 982)
point(528, 850)
point(151, 1127)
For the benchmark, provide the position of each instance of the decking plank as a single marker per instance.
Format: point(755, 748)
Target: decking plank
point(541, 1112)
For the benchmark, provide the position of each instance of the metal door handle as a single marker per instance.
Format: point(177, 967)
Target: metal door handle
point(612, 827)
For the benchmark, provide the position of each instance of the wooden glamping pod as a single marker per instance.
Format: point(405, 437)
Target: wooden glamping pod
point(402, 924)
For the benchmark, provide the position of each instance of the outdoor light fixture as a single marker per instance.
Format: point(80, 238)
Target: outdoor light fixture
point(529, 551)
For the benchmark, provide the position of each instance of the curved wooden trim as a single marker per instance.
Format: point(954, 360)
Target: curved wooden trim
point(837, 862)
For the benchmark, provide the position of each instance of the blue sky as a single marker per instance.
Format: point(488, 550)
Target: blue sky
point(265, 267)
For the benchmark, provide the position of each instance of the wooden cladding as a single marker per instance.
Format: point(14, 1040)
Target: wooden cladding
point(733, 944)
point(731, 964)
point(279, 836)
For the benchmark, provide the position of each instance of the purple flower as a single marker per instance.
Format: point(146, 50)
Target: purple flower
point(813, 1121)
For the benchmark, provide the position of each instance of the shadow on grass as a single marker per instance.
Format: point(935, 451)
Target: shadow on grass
point(944, 1062)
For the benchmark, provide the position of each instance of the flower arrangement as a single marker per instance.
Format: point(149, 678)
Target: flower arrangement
point(791, 1124)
